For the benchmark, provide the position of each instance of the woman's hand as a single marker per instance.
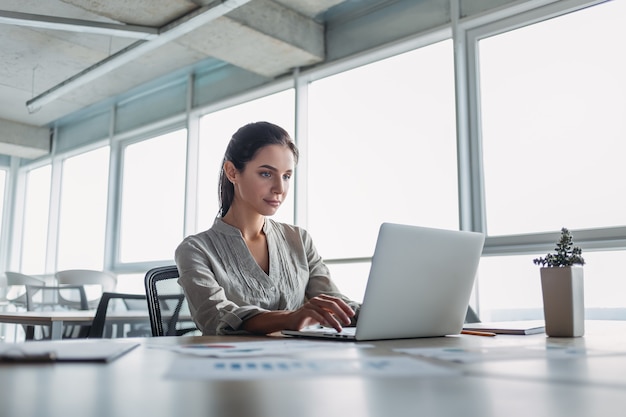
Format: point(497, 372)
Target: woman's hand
point(324, 309)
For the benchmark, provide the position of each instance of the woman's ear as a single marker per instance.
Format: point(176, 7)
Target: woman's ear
point(230, 171)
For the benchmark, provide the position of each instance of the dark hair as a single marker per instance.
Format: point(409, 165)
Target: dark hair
point(243, 147)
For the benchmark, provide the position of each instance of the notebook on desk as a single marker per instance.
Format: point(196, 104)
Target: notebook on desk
point(419, 285)
point(522, 327)
point(81, 350)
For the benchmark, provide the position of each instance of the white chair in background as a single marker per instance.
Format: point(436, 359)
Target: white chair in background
point(17, 296)
point(50, 298)
point(90, 279)
point(3, 290)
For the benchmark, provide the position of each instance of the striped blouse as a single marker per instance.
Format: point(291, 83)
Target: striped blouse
point(225, 286)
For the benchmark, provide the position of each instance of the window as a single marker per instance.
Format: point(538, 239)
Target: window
point(510, 288)
point(37, 207)
point(552, 105)
point(382, 148)
point(217, 128)
point(82, 221)
point(3, 176)
point(153, 190)
point(552, 117)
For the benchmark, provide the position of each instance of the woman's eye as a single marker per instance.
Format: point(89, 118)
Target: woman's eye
point(287, 177)
point(266, 174)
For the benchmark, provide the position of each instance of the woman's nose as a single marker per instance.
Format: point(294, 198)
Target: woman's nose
point(279, 187)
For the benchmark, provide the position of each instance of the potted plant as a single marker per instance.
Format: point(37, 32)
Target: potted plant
point(562, 287)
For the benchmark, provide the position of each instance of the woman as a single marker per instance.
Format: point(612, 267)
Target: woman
point(248, 273)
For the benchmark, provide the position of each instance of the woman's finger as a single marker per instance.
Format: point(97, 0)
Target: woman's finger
point(334, 307)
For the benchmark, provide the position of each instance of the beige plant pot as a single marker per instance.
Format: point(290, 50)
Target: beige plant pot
point(563, 301)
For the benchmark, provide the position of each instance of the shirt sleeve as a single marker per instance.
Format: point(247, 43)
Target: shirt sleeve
point(320, 281)
point(212, 311)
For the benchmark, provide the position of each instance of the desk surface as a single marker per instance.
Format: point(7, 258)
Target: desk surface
point(136, 384)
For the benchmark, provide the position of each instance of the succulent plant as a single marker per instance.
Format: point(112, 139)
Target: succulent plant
point(566, 254)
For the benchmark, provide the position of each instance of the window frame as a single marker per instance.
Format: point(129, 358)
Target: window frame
point(119, 144)
point(474, 30)
point(465, 33)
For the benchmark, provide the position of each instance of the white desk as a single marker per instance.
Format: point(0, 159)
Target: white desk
point(57, 319)
point(136, 384)
point(54, 319)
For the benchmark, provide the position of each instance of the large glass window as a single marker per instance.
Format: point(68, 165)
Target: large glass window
point(553, 125)
point(153, 191)
point(82, 221)
point(3, 176)
point(509, 287)
point(217, 128)
point(553, 128)
point(382, 148)
point(36, 217)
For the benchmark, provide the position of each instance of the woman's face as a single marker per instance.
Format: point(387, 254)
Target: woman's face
point(263, 185)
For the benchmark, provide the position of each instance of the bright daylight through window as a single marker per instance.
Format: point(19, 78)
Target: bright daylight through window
point(552, 104)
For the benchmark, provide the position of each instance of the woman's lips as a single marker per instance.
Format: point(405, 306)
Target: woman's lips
point(273, 203)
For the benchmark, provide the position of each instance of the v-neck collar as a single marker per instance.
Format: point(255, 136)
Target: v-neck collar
point(222, 227)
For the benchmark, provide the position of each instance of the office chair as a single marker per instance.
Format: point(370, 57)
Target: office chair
point(3, 290)
point(98, 328)
point(49, 297)
point(16, 279)
point(160, 292)
point(15, 294)
point(170, 305)
point(106, 281)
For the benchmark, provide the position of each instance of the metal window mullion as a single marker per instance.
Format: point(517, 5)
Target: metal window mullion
point(54, 215)
point(111, 235)
point(301, 136)
point(471, 205)
point(190, 224)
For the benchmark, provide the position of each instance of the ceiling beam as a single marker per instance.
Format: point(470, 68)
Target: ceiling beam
point(23, 140)
point(168, 33)
point(76, 25)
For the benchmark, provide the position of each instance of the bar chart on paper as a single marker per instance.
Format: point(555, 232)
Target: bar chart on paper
point(257, 368)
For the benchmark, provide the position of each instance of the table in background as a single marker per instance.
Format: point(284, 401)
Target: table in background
point(55, 320)
point(136, 384)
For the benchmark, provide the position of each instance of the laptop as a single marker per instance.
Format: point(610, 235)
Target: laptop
point(419, 285)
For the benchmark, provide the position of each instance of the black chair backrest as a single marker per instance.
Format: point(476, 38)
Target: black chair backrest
point(158, 302)
point(99, 321)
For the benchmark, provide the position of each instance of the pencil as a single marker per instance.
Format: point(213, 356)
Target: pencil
point(476, 333)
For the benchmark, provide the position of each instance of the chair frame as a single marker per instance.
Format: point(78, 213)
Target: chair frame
point(14, 279)
point(99, 321)
point(31, 290)
point(106, 280)
point(154, 305)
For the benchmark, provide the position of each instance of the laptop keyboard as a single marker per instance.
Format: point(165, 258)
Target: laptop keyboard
point(329, 331)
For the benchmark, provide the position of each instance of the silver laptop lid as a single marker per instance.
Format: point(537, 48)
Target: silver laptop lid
point(420, 282)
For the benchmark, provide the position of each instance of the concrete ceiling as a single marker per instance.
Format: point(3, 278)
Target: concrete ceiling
point(59, 56)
